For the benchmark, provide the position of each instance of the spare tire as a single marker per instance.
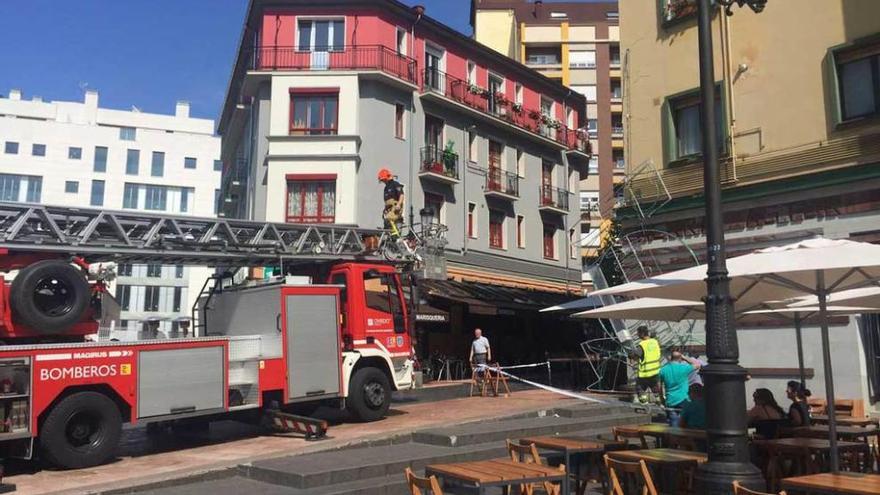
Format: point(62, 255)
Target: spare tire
point(49, 296)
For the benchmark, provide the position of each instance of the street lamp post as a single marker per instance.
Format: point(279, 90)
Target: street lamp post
point(724, 378)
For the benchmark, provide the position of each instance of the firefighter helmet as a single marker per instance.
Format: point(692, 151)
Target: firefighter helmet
point(385, 174)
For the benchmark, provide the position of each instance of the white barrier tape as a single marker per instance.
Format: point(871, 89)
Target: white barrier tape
point(533, 365)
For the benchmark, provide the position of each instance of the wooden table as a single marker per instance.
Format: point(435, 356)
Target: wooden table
point(485, 474)
point(662, 431)
point(569, 446)
point(822, 419)
point(844, 432)
point(850, 483)
point(660, 456)
point(813, 446)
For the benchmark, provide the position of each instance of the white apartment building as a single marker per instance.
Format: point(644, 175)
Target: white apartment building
point(78, 154)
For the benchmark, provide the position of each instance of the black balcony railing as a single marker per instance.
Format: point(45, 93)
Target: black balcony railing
point(436, 160)
point(359, 57)
point(498, 105)
point(499, 181)
point(554, 197)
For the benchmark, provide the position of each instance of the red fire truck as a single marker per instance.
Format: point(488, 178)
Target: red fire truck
point(336, 333)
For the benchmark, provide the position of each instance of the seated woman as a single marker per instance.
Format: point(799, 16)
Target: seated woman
point(766, 417)
point(799, 411)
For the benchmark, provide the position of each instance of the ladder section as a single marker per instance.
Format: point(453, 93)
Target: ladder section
point(137, 237)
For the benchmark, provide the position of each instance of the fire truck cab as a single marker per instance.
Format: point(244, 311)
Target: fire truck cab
point(340, 338)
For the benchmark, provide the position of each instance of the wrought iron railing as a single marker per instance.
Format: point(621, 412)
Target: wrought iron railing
point(436, 160)
point(500, 181)
point(357, 57)
point(554, 197)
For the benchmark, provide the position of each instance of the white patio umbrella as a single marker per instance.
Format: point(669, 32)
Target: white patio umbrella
point(865, 296)
point(812, 267)
point(584, 303)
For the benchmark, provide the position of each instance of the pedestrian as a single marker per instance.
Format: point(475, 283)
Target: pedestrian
point(695, 376)
point(766, 417)
point(799, 410)
point(674, 377)
point(647, 353)
point(481, 352)
point(693, 413)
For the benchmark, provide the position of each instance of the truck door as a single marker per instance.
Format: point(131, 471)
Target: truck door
point(384, 314)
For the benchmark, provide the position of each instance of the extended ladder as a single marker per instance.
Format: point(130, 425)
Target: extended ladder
point(137, 237)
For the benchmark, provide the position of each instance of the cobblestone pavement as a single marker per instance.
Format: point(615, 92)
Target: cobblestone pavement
point(151, 458)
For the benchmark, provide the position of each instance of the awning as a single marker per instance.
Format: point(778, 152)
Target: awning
point(490, 299)
point(425, 313)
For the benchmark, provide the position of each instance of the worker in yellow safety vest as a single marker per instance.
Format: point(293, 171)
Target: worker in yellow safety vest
point(647, 353)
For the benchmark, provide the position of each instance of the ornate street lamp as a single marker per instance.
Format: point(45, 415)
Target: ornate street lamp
point(725, 395)
point(427, 215)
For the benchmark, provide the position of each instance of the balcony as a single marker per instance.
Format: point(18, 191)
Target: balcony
point(501, 184)
point(497, 107)
point(554, 200)
point(361, 57)
point(439, 164)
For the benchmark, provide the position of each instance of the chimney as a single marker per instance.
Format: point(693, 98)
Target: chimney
point(14, 94)
point(182, 109)
point(91, 98)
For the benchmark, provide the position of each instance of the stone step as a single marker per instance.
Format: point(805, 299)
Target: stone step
point(588, 410)
point(481, 433)
point(335, 467)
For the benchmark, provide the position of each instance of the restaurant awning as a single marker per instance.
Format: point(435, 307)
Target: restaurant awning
point(490, 299)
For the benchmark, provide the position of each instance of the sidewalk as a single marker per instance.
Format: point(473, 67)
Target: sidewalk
point(145, 459)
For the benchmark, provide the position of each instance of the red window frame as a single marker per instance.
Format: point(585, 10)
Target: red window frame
point(321, 179)
point(496, 229)
point(303, 95)
point(470, 220)
point(520, 220)
point(399, 112)
point(549, 242)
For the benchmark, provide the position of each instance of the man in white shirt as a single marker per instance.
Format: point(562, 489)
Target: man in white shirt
point(481, 353)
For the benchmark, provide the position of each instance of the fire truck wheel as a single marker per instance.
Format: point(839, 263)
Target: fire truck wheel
point(82, 430)
point(49, 296)
point(369, 395)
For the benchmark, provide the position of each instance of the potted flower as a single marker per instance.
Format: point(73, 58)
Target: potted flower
point(499, 98)
point(517, 107)
point(676, 9)
point(449, 159)
point(535, 115)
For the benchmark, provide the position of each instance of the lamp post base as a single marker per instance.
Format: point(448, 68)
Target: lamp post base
point(717, 477)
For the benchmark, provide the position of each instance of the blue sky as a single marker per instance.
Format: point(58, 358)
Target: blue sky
point(146, 53)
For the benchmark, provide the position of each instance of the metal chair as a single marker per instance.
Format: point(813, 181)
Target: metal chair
point(741, 490)
point(626, 474)
point(422, 486)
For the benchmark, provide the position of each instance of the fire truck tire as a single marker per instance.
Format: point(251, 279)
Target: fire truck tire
point(82, 430)
point(49, 296)
point(369, 394)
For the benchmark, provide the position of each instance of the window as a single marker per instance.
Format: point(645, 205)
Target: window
point(614, 54)
point(11, 148)
point(542, 55)
point(558, 15)
point(592, 125)
point(38, 150)
point(473, 149)
point(520, 163)
point(589, 200)
point(435, 203)
point(313, 113)
point(496, 229)
point(189, 162)
point(471, 72)
point(573, 244)
point(154, 270)
point(685, 139)
point(611, 15)
point(218, 165)
point(520, 233)
point(593, 166)
point(496, 94)
point(123, 294)
point(518, 90)
point(321, 35)
point(311, 201)
point(399, 113)
point(617, 123)
point(588, 90)
point(549, 241)
point(97, 196)
point(186, 194)
point(151, 298)
point(74, 153)
point(157, 167)
point(20, 188)
point(71, 186)
point(127, 133)
point(401, 41)
point(130, 196)
point(616, 89)
point(582, 59)
point(858, 81)
point(178, 271)
point(617, 159)
point(124, 269)
point(100, 159)
point(178, 295)
point(383, 294)
point(155, 198)
point(472, 220)
point(217, 208)
point(132, 162)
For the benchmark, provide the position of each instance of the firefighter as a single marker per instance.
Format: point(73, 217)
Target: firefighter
point(393, 196)
point(647, 353)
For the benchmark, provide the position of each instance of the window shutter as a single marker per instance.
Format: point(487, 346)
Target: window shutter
point(832, 88)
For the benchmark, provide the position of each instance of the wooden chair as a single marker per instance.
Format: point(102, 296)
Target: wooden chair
point(480, 381)
point(497, 379)
point(529, 455)
point(741, 490)
point(681, 443)
point(624, 434)
point(626, 474)
point(422, 486)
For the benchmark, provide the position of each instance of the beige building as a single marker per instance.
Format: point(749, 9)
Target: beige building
point(799, 101)
point(575, 43)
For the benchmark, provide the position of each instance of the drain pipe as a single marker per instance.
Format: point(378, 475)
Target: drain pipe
point(466, 146)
